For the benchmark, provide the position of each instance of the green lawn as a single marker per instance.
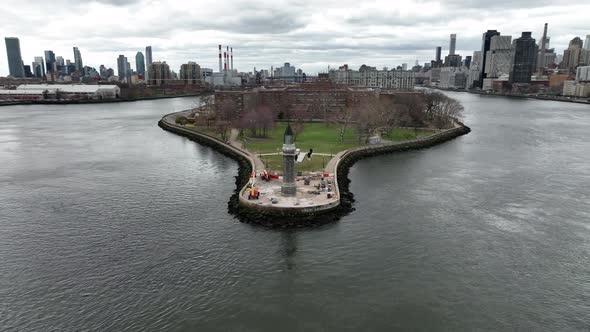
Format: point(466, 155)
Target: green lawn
point(203, 129)
point(317, 136)
point(316, 164)
point(320, 138)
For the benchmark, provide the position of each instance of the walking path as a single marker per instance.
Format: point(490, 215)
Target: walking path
point(233, 141)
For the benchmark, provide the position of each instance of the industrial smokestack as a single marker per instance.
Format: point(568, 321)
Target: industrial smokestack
point(224, 61)
point(220, 58)
point(232, 58)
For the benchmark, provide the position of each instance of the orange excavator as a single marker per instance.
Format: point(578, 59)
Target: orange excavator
point(253, 193)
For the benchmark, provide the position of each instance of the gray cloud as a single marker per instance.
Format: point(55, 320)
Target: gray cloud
point(312, 34)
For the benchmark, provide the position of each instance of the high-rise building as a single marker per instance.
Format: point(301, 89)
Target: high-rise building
point(39, 67)
point(453, 44)
point(78, 60)
point(437, 63)
point(572, 56)
point(190, 73)
point(583, 74)
point(541, 57)
point(15, 60)
point(148, 59)
point(485, 47)
point(467, 62)
point(122, 67)
point(128, 72)
point(499, 56)
point(587, 43)
point(158, 73)
point(50, 62)
point(140, 64)
point(27, 70)
point(576, 42)
point(453, 60)
point(473, 78)
point(524, 54)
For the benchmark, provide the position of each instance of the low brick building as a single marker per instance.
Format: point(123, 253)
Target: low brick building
point(317, 100)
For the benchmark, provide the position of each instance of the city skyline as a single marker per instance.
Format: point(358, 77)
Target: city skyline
point(271, 33)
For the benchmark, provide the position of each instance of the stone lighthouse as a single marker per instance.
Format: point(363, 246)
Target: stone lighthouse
point(289, 188)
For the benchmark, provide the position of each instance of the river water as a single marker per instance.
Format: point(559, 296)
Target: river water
point(108, 222)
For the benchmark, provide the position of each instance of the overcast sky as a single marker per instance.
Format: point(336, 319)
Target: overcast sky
point(311, 35)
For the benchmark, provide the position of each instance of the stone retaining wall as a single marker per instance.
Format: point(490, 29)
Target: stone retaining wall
point(353, 155)
point(248, 211)
point(272, 216)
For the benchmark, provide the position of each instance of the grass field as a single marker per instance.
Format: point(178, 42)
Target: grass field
point(320, 138)
point(203, 129)
point(317, 163)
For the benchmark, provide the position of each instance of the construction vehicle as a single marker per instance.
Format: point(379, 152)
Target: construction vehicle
point(265, 176)
point(253, 193)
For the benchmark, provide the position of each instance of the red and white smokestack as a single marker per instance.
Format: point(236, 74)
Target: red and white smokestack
point(224, 61)
point(232, 58)
point(220, 58)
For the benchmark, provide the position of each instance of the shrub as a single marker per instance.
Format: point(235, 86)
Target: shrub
point(181, 120)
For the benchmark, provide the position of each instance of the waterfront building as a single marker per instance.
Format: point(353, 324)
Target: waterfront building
point(39, 67)
point(485, 47)
point(190, 73)
point(453, 78)
point(435, 75)
point(499, 56)
point(78, 61)
point(583, 74)
point(15, 60)
point(524, 53)
point(122, 67)
point(65, 91)
point(159, 73)
point(576, 89)
point(140, 64)
point(49, 62)
point(473, 76)
point(148, 59)
point(27, 71)
point(370, 77)
point(572, 55)
point(205, 73)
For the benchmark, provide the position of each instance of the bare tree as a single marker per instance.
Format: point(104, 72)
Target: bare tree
point(371, 115)
point(258, 121)
point(299, 114)
point(345, 118)
point(441, 109)
point(225, 117)
point(323, 105)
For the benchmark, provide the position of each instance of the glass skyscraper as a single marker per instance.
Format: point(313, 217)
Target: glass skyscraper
point(524, 53)
point(15, 60)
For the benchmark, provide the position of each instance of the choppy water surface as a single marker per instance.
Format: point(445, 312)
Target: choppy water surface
point(108, 222)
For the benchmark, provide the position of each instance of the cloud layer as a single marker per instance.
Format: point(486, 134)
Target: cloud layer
point(309, 34)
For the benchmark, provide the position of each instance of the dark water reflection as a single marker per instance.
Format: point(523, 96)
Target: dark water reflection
point(109, 223)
